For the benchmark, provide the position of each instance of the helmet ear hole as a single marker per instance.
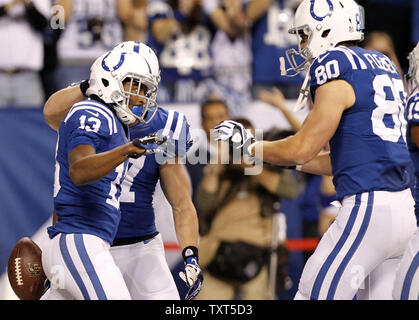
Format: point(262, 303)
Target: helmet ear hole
point(105, 82)
point(325, 33)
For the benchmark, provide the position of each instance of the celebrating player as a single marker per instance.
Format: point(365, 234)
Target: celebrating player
point(138, 248)
point(406, 285)
point(358, 107)
point(91, 162)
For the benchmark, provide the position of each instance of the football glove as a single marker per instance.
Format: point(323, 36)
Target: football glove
point(235, 134)
point(153, 144)
point(193, 273)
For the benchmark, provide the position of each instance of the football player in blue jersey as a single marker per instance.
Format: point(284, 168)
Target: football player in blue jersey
point(406, 285)
point(138, 248)
point(91, 161)
point(358, 103)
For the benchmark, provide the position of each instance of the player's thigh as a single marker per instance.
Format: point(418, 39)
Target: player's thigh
point(342, 258)
point(379, 283)
point(370, 228)
point(146, 271)
point(406, 284)
point(82, 265)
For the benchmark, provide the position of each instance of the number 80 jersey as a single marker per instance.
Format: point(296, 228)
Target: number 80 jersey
point(368, 150)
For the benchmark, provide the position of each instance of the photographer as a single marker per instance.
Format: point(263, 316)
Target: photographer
point(236, 229)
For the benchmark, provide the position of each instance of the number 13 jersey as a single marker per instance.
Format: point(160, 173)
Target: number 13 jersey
point(368, 150)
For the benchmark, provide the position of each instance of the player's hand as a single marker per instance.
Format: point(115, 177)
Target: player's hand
point(193, 273)
point(156, 143)
point(235, 134)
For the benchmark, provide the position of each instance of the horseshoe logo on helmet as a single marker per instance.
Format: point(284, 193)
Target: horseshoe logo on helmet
point(320, 18)
point(115, 67)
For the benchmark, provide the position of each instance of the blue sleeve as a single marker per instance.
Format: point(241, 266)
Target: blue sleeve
point(86, 127)
point(331, 65)
point(413, 109)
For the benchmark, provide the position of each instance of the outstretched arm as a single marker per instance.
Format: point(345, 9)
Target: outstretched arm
point(316, 131)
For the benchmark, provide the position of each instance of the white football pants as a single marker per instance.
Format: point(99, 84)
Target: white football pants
point(361, 249)
point(81, 267)
point(145, 270)
point(406, 285)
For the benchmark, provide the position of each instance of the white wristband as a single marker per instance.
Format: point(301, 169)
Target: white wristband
point(298, 167)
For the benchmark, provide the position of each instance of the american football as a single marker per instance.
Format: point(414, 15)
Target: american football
point(26, 275)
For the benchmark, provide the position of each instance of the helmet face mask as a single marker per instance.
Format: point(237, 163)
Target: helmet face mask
point(412, 75)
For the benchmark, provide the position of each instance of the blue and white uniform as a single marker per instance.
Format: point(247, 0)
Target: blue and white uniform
point(406, 285)
point(370, 165)
point(138, 246)
point(77, 260)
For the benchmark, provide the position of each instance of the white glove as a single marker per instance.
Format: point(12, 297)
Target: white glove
point(235, 134)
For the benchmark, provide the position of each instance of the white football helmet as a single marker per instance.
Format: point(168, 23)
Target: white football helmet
point(412, 75)
point(144, 50)
point(110, 71)
point(326, 23)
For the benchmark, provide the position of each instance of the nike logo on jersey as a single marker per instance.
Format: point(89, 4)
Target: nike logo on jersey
point(93, 113)
point(322, 58)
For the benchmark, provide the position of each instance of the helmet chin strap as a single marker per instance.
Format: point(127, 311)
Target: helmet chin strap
point(302, 98)
point(125, 117)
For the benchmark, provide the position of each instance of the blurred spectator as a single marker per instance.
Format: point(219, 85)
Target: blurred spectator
point(133, 14)
point(181, 33)
point(232, 57)
point(382, 42)
point(213, 111)
point(22, 53)
point(93, 27)
point(270, 40)
point(394, 18)
point(236, 226)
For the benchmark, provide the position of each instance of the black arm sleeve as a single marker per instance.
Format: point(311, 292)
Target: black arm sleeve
point(36, 19)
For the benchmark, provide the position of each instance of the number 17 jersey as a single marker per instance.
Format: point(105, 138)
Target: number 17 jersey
point(368, 150)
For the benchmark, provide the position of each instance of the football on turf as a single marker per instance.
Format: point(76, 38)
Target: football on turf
point(26, 275)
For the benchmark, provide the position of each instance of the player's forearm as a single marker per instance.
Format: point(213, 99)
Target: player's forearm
point(90, 168)
point(320, 165)
point(285, 152)
point(59, 103)
point(257, 8)
point(186, 225)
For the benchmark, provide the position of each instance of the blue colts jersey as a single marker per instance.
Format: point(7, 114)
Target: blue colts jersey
point(412, 116)
point(92, 208)
point(368, 149)
point(137, 213)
